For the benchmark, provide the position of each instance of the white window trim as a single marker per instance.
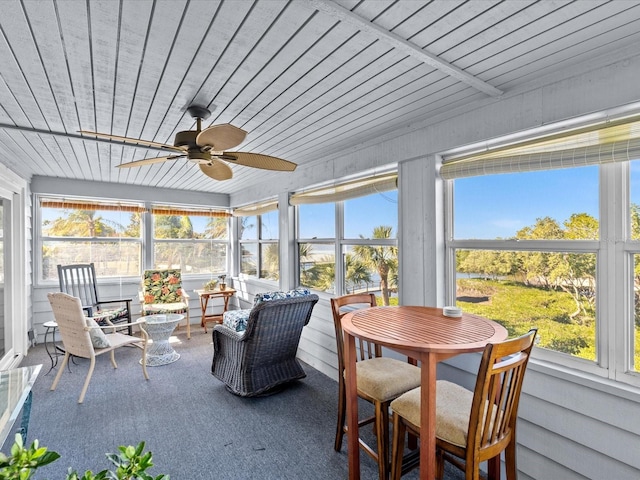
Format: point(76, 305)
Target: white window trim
point(39, 238)
point(258, 242)
point(339, 242)
point(614, 271)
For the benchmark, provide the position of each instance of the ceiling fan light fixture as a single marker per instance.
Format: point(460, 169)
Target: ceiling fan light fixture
point(197, 154)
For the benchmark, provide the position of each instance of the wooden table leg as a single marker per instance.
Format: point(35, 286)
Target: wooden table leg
point(226, 302)
point(428, 417)
point(204, 300)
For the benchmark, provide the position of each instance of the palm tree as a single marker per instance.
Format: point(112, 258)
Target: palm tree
point(83, 223)
point(381, 258)
point(271, 261)
point(305, 251)
point(322, 274)
point(80, 223)
point(357, 272)
point(216, 228)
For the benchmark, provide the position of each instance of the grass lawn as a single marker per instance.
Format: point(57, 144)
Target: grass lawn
point(519, 307)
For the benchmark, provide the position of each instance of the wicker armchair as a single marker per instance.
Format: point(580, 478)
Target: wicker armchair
point(261, 358)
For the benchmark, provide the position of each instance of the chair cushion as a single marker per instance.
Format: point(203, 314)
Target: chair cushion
point(236, 319)
point(385, 378)
point(108, 315)
point(453, 409)
point(278, 295)
point(98, 337)
point(178, 307)
point(162, 286)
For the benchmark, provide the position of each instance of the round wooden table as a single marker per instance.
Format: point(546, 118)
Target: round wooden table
point(422, 333)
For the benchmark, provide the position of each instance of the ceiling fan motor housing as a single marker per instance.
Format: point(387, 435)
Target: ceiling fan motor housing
point(186, 138)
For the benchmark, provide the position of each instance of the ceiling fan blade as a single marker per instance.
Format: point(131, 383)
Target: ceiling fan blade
point(217, 170)
point(221, 137)
point(257, 160)
point(149, 161)
point(133, 141)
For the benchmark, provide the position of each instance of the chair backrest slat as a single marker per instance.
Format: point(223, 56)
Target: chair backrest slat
point(497, 394)
point(353, 301)
point(79, 281)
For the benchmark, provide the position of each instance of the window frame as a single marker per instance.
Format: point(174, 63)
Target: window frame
point(614, 251)
point(339, 243)
point(259, 242)
point(189, 211)
point(40, 239)
point(146, 240)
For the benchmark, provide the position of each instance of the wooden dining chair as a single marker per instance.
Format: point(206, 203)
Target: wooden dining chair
point(472, 427)
point(379, 380)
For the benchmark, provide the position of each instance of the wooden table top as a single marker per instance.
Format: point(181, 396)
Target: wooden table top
point(423, 329)
point(226, 291)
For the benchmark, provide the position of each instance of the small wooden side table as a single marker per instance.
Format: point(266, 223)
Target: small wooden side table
point(204, 295)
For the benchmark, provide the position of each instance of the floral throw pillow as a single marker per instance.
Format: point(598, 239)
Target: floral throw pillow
point(267, 296)
point(162, 286)
point(98, 337)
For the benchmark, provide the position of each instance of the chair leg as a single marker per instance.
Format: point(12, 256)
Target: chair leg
point(341, 417)
point(65, 361)
point(510, 460)
point(113, 359)
point(188, 325)
point(397, 447)
point(493, 465)
point(143, 345)
point(382, 434)
point(87, 380)
point(439, 464)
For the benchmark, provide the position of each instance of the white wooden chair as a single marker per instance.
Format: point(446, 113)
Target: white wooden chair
point(79, 339)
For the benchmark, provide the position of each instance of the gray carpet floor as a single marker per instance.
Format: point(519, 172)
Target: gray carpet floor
point(193, 426)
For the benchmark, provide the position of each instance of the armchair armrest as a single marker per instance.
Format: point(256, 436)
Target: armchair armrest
point(103, 327)
point(230, 333)
point(120, 300)
point(113, 327)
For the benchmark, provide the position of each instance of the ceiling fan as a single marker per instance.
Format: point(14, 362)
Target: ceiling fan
point(208, 148)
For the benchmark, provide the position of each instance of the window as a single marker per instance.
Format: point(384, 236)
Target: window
point(536, 242)
point(106, 234)
point(633, 252)
point(259, 245)
point(358, 252)
point(317, 246)
point(192, 240)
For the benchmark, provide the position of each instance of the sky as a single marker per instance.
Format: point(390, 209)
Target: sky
point(361, 216)
point(497, 206)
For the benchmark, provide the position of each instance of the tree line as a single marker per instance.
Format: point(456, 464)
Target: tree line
point(573, 273)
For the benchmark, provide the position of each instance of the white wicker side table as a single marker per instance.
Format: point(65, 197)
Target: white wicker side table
point(160, 327)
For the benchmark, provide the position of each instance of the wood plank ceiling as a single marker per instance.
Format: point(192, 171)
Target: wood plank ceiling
point(306, 78)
